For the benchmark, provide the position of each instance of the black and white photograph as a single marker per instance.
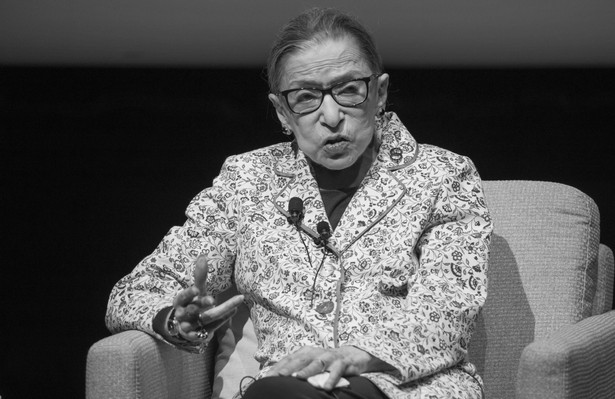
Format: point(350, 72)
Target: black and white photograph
point(307, 199)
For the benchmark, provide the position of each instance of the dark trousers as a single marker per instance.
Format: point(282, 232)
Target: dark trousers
point(294, 388)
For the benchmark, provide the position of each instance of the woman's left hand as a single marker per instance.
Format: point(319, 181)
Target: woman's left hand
point(339, 362)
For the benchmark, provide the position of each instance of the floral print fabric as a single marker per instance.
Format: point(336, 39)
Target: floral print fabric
point(403, 278)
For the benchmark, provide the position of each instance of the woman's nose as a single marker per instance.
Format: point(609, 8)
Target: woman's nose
point(331, 114)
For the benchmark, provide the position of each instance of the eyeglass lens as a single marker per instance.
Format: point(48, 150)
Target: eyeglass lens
point(347, 94)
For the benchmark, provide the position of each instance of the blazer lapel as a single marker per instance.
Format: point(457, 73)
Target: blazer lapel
point(380, 192)
point(381, 189)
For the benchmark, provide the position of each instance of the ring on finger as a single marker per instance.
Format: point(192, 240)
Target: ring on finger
point(202, 334)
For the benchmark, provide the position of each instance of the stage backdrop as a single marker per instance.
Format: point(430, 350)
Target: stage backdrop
point(98, 164)
point(238, 32)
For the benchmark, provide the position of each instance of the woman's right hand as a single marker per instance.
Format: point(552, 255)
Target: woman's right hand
point(196, 311)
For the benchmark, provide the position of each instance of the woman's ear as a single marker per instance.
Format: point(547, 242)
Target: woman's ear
point(383, 90)
point(279, 109)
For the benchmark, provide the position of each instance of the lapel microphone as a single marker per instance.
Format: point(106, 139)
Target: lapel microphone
point(295, 212)
point(324, 233)
point(295, 209)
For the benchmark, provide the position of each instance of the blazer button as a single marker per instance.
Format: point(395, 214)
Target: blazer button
point(325, 307)
point(396, 154)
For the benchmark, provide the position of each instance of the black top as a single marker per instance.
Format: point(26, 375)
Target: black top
point(337, 187)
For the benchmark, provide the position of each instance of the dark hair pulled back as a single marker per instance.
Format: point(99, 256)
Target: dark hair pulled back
point(313, 26)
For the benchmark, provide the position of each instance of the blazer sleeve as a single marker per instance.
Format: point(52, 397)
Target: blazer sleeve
point(153, 284)
point(429, 329)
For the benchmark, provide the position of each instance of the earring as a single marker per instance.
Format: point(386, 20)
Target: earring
point(286, 131)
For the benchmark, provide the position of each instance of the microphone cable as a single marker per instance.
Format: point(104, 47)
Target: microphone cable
point(307, 252)
point(324, 233)
point(295, 215)
point(322, 262)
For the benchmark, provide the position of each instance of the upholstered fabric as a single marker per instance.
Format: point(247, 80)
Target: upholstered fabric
point(553, 232)
point(542, 273)
point(603, 301)
point(574, 362)
point(536, 336)
point(135, 365)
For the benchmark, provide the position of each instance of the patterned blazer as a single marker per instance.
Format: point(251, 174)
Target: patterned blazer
point(402, 277)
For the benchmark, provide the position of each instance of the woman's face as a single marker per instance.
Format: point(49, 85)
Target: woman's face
point(333, 136)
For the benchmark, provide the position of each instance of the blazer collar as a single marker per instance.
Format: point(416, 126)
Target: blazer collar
point(398, 149)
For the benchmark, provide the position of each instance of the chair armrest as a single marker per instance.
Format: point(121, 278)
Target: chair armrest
point(133, 364)
point(574, 362)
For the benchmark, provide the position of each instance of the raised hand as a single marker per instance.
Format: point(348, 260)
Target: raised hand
point(196, 310)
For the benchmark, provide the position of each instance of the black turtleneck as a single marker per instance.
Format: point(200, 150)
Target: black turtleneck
point(337, 187)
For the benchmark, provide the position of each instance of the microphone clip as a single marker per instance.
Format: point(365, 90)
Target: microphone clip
point(295, 218)
point(295, 211)
point(324, 234)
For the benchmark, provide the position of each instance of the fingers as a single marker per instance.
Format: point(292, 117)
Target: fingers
point(291, 365)
point(188, 305)
point(196, 311)
point(325, 375)
point(193, 335)
point(200, 274)
point(310, 361)
point(204, 302)
point(315, 366)
point(206, 316)
point(190, 302)
point(199, 288)
point(221, 311)
point(185, 297)
point(336, 372)
point(301, 364)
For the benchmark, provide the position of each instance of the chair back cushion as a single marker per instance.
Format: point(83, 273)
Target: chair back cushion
point(542, 273)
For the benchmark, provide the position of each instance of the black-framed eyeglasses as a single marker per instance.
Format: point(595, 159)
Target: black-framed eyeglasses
point(350, 93)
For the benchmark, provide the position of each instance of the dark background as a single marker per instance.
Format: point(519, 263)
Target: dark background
point(98, 163)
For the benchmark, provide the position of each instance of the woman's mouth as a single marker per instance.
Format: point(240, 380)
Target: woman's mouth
point(336, 144)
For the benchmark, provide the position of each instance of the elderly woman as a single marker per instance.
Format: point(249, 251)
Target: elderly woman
point(361, 254)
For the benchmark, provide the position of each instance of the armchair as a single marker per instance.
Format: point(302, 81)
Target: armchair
point(546, 331)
